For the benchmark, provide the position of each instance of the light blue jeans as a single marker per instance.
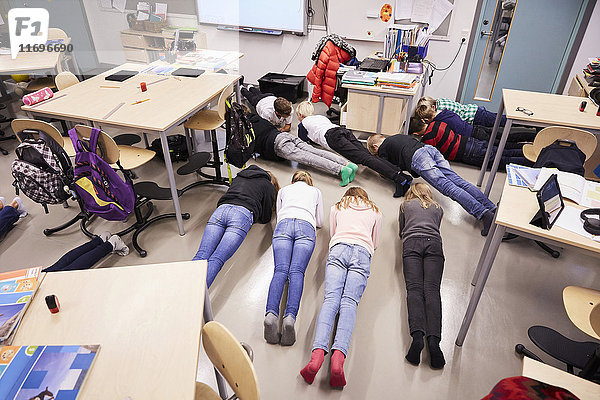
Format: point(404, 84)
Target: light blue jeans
point(293, 245)
point(224, 233)
point(346, 273)
point(435, 169)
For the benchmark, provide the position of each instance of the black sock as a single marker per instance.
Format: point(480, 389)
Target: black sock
point(414, 353)
point(436, 357)
point(488, 219)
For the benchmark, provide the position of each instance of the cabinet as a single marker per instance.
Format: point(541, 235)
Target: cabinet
point(579, 87)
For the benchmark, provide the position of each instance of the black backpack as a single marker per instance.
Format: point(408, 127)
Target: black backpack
point(239, 137)
point(177, 148)
point(562, 155)
point(42, 170)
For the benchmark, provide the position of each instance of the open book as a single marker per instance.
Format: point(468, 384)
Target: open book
point(572, 186)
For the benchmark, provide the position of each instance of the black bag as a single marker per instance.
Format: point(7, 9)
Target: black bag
point(177, 148)
point(239, 135)
point(562, 155)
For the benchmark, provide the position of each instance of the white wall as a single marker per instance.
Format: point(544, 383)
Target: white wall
point(590, 45)
point(265, 53)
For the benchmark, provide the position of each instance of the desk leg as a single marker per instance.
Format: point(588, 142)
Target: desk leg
point(486, 159)
point(499, 151)
point(409, 103)
point(483, 275)
point(172, 184)
point(380, 114)
point(208, 316)
point(484, 252)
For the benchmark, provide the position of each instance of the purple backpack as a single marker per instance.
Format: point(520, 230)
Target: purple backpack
point(101, 189)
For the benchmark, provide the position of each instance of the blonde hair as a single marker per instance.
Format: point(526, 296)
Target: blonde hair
point(275, 184)
point(422, 192)
point(305, 109)
point(355, 195)
point(430, 101)
point(302, 176)
point(426, 109)
point(374, 140)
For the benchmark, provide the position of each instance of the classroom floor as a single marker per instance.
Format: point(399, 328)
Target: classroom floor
point(524, 289)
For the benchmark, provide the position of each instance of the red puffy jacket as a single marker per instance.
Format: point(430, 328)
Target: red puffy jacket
point(323, 73)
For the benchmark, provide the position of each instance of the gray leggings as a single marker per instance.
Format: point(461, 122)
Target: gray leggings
point(293, 148)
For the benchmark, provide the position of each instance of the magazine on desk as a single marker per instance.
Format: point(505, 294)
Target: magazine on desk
point(17, 288)
point(44, 372)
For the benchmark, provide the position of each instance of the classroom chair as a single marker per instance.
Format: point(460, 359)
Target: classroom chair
point(583, 308)
point(145, 192)
point(2, 135)
point(232, 359)
point(65, 79)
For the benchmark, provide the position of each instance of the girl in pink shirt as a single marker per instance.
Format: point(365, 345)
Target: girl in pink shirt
point(355, 223)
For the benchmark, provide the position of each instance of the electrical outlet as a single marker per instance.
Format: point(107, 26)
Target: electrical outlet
point(464, 34)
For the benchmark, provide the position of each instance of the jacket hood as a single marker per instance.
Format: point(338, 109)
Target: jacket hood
point(253, 172)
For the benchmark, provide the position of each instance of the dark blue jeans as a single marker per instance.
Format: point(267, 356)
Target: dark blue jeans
point(254, 95)
point(8, 217)
point(487, 118)
point(82, 257)
point(224, 233)
point(475, 152)
point(293, 245)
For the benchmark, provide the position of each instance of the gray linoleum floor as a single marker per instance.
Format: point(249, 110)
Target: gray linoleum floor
point(524, 288)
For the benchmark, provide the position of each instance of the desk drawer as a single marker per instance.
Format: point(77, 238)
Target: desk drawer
point(132, 40)
point(138, 55)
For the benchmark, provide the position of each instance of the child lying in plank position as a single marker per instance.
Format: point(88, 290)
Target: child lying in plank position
point(470, 113)
point(276, 110)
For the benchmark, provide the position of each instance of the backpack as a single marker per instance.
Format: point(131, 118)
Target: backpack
point(100, 188)
point(563, 155)
point(239, 138)
point(42, 170)
point(177, 148)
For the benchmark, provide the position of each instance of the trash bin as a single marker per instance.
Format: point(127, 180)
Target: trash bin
point(282, 85)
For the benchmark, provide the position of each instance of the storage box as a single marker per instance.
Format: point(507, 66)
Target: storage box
point(416, 53)
point(282, 85)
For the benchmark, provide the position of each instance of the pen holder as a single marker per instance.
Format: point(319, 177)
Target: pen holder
point(416, 53)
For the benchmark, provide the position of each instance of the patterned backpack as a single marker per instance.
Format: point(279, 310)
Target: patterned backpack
point(42, 170)
point(239, 135)
point(101, 189)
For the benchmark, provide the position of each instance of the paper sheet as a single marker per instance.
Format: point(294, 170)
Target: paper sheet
point(421, 11)
point(160, 9)
point(119, 5)
point(569, 219)
point(143, 11)
point(106, 3)
point(403, 9)
point(441, 9)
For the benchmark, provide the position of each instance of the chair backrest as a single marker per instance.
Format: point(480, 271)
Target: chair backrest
point(56, 33)
point(586, 141)
point(231, 360)
point(583, 308)
point(107, 148)
point(65, 79)
point(225, 94)
point(595, 319)
point(22, 124)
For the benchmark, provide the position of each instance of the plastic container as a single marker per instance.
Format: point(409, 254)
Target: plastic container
point(281, 85)
point(416, 53)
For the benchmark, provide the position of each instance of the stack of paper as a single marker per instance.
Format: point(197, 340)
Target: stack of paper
point(572, 186)
point(17, 288)
point(400, 80)
point(360, 77)
point(522, 176)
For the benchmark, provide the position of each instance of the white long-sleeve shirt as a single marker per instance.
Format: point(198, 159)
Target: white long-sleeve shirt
point(317, 126)
point(300, 201)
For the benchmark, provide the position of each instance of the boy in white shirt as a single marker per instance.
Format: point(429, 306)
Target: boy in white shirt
point(276, 110)
point(318, 129)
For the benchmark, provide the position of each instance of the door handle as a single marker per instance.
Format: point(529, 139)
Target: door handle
point(484, 33)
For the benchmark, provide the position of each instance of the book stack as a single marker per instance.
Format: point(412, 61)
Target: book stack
point(360, 77)
point(592, 72)
point(17, 288)
point(397, 80)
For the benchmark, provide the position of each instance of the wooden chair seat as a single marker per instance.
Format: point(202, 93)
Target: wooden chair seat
point(586, 141)
point(205, 120)
point(205, 392)
point(134, 157)
point(583, 308)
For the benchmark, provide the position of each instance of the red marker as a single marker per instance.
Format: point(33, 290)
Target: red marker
point(582, 106)
point(52, 303)
point(598, 112)
point(143, 86)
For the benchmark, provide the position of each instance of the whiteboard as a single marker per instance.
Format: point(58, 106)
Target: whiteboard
point(283, 15)
point(358, 19)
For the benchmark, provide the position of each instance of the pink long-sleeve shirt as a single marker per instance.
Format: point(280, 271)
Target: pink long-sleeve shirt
point(357, 224)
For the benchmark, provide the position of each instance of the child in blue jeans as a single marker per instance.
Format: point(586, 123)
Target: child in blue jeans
point(299, 213)
point(250, 198)
point(10, 214)
point(355, 223)
point(426, 161)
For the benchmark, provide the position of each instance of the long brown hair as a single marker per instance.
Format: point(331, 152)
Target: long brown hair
point(422, 192)
point(275, 183)
point(302, 176)
point(355, 195)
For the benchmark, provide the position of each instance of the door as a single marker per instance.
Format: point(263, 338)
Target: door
point(520, 44)
point(68, 15)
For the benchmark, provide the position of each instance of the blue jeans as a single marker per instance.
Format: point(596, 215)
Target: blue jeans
point(348, 267)
point(431, 165)
point(475, 153)
point(224, 233)
point(82, 257)
point(293, 245)
point(487, 118)
point(8, 217)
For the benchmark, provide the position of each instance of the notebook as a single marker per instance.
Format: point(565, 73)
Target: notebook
point(120, 76)
point(188, 72)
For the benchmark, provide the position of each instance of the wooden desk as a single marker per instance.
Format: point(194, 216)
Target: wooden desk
point(548, 110)
point(584, 389)
point(380, 110)
point(32, 62)
point(147, 320)
point(517, 207)
point(172, 101)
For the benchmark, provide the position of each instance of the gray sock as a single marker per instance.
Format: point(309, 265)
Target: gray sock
point(288, 334)
point(271, 328)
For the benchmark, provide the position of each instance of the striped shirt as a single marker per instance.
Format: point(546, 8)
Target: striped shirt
point(465, 111)
point(440, 136)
